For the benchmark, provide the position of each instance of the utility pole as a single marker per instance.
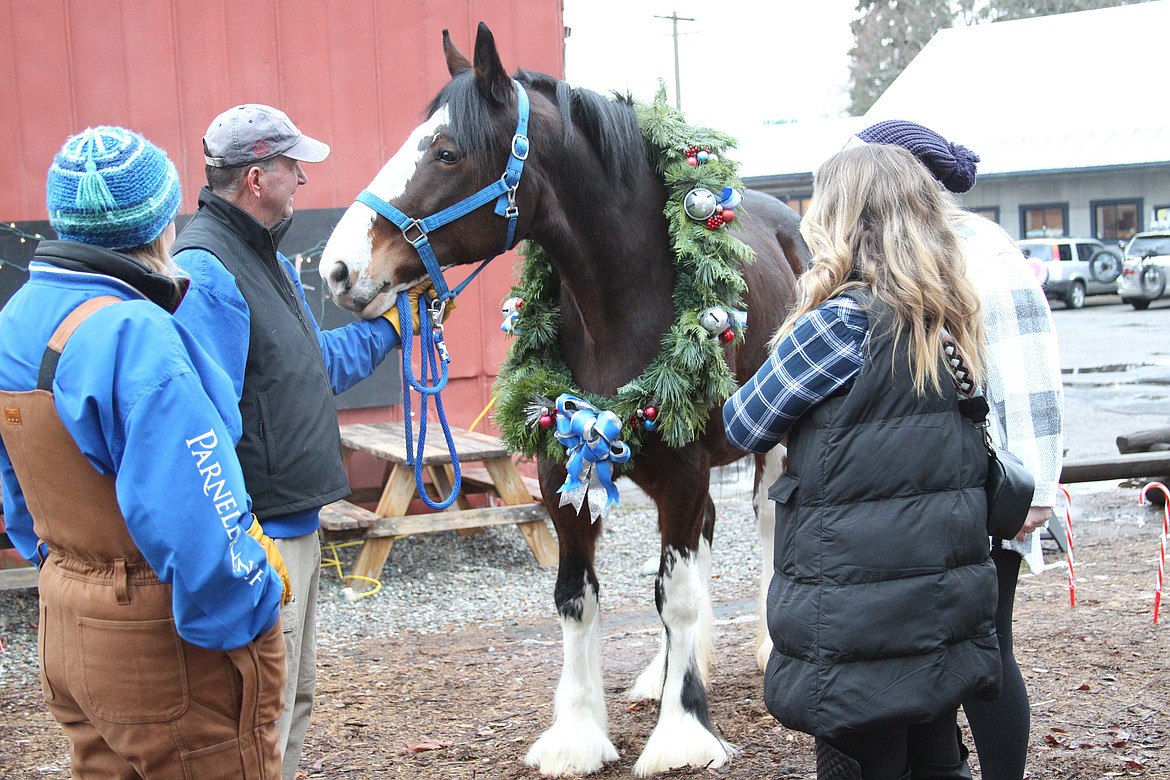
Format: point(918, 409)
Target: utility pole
point(674, 20)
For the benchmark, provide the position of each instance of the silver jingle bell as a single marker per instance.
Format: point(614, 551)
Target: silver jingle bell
point(699, 204)
point(715, 320)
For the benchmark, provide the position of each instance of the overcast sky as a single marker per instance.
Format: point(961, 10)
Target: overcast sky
point(742, 62)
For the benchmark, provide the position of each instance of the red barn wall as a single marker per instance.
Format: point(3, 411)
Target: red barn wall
point(354, 73)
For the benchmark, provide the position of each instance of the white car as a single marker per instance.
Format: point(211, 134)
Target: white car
point(1145, 268)
point(1074, 267)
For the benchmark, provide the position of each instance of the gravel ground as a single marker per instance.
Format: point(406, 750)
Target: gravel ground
point(435, 581)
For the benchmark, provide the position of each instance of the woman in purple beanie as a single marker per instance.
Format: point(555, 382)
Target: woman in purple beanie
point(1024, 388)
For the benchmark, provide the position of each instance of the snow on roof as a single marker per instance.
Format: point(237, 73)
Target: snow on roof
point(1078, 90)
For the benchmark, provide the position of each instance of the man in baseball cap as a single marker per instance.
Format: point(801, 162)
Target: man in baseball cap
point(246, 306)
point(253, 132)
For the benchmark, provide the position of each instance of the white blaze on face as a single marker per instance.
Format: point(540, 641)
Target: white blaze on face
point(350, 243)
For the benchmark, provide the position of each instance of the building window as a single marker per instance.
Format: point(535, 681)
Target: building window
point(1116, 220)
point(798, 203)
point(987, 212)
point(1049, 220)
point(1162, 215)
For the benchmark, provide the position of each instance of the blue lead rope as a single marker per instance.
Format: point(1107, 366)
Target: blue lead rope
point(432, 368)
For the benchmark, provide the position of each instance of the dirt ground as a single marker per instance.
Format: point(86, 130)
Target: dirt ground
point(469, 701)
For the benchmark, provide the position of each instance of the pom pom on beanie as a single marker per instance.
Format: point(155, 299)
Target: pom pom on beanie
point(951, 164)
point(110, 187)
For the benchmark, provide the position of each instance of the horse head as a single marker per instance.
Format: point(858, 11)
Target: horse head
point(462, 148)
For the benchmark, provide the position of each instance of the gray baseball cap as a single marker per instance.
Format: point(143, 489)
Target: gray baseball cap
point(253, 132)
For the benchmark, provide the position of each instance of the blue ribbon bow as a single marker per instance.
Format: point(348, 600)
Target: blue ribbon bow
point(590, 437)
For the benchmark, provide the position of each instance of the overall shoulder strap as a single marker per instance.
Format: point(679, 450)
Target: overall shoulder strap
point(57, 343)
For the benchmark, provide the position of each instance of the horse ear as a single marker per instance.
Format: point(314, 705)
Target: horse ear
point(493, 81)
point(456, 62)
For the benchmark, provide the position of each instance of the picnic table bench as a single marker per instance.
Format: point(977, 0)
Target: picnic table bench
point(489, 468)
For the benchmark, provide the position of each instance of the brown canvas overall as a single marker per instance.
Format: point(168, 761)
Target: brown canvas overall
point(135, 699)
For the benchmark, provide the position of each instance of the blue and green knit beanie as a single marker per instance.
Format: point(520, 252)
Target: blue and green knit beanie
point(110, 187)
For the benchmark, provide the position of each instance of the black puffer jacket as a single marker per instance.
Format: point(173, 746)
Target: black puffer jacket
point(882, 603)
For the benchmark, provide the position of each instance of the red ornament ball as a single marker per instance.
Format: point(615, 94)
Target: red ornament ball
point(546, 421)
point(692, 160)
point(727, 336)
point(650, 412)
point(728, 214)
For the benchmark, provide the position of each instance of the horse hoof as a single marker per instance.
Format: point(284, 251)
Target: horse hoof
point(580, 749)
point(682, 741)
point(763, 653)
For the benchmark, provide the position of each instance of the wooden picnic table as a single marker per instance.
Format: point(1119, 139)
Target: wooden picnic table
point(485, 466)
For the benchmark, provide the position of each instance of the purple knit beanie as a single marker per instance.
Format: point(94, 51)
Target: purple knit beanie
point(951, 164)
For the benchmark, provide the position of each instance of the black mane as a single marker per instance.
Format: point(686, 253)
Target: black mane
point(608, 123)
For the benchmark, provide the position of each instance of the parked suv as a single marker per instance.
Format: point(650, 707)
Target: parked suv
point(1146, 266)
point(1074, 267)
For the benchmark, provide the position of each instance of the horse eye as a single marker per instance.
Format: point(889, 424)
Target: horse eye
point(448, 156)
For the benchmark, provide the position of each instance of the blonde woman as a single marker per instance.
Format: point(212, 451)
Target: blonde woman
point(882, 602)
point(1024, 390)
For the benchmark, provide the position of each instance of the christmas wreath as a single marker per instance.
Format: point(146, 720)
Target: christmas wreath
point(674, 394)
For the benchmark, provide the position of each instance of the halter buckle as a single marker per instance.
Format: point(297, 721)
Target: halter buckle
point(422, 234)
point(520, 147)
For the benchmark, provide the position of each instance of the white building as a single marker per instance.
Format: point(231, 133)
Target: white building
point(1070, 115)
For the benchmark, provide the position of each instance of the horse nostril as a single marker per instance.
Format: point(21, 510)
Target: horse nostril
point(339, 277)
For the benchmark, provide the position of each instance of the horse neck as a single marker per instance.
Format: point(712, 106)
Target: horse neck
point(608, 241)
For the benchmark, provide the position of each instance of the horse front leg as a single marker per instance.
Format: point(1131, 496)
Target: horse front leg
point(578, 741)
point(683, 735)
point(768, 469)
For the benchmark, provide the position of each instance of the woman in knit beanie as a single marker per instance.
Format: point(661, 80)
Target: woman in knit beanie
point(951, 164)
point(110, 187)
point(161, 651)
point(1024, 388)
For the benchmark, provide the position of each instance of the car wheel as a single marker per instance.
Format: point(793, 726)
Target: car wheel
point(1075, 298)
point(1153, 281)
point(1139, 304)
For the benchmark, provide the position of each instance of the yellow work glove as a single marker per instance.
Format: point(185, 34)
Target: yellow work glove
point(412, 296)
point(274, 559)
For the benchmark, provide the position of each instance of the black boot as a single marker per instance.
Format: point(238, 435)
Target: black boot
point(832, 764)
point(959, 771)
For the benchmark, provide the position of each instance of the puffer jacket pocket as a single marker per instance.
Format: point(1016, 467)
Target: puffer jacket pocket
point(783, 492)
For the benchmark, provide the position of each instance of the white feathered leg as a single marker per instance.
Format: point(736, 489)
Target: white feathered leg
point(578, 741)
point(683, 735)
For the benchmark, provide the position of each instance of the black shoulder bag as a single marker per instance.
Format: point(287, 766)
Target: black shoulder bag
point(1009, 483)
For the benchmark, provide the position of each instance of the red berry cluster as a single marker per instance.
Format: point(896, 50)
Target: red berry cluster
point(715, 221)
point(697, 154)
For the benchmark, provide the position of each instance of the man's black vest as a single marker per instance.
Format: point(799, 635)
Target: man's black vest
point(291, 448)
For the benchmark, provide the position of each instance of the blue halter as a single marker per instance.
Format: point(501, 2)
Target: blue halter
point(415, 231)
point(502, 190)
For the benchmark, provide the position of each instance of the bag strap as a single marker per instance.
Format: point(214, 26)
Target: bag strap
point(973, 406)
